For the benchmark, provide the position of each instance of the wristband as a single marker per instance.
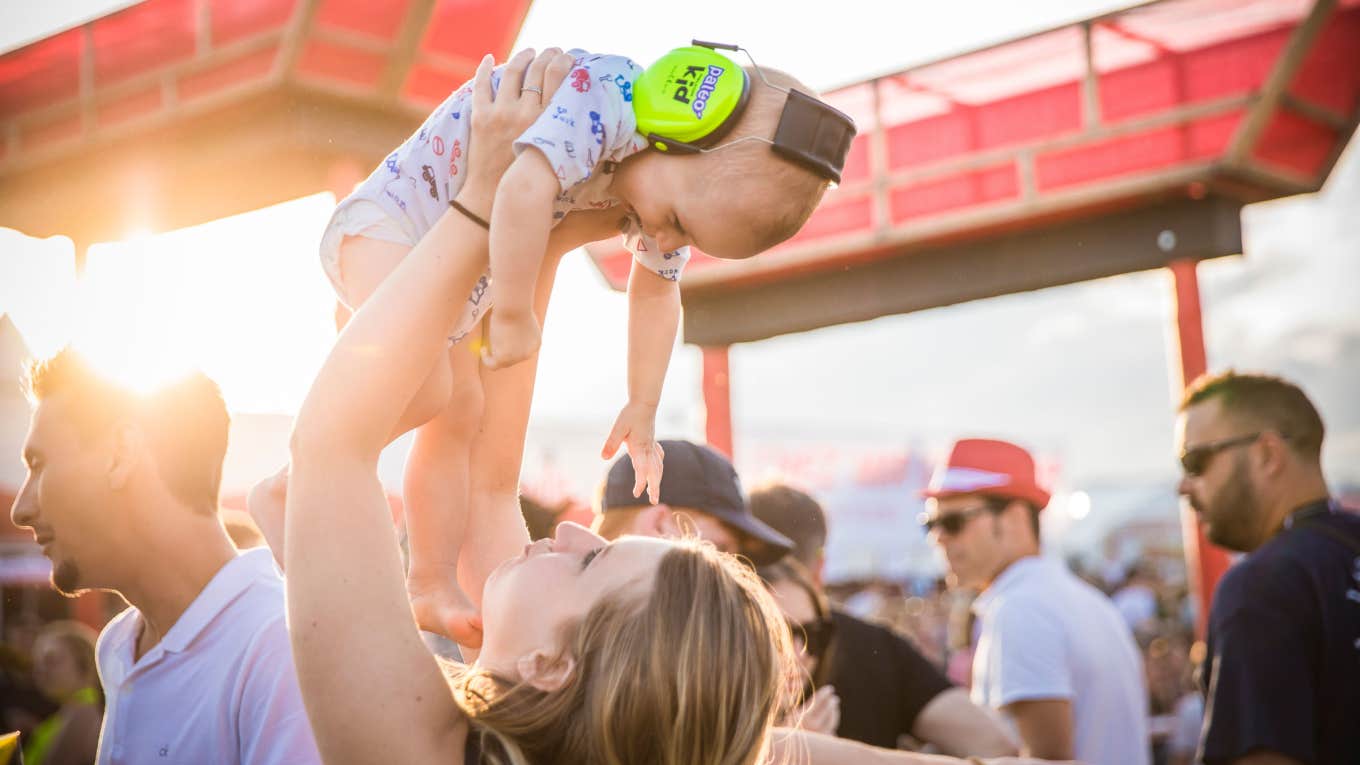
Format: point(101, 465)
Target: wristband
point(470, 215)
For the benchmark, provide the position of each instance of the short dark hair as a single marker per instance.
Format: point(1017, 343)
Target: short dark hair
point(796, 515)
point(185, 422)
point(1263, 401)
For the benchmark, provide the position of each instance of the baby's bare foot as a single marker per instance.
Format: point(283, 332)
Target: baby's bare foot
point(440, 606)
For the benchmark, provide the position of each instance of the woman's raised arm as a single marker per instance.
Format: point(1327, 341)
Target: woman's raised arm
point(362, 667)
point(494, 519)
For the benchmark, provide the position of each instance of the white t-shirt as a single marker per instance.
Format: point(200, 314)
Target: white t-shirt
point(218, 688)
point(1045, 634)
point(587, 125)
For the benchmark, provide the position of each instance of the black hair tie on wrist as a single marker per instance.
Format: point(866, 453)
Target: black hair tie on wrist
point(472, 216)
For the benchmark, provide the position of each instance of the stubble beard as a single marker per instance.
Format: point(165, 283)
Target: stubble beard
point(66, 578)
point(1234, 512)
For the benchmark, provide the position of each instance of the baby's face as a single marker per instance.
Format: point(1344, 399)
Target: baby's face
point(676, 208)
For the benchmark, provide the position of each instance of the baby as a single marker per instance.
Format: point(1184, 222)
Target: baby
point(586, 151)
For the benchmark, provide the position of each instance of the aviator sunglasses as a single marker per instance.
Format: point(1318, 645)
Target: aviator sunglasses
point(1195, 460)
point(953, 523)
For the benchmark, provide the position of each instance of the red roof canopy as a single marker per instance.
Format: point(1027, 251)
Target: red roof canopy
point(158, 57)
point(1249, 98)
point(182, 111)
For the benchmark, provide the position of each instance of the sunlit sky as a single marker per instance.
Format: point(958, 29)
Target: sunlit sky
point(1078, 372)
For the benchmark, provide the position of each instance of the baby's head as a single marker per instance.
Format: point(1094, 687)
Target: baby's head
point(734, 201)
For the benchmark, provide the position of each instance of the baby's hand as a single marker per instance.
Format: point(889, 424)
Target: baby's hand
point(636, 426)
point(441, 607)
point(514, 337)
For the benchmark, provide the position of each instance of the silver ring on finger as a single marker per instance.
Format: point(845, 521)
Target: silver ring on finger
point(530, 89)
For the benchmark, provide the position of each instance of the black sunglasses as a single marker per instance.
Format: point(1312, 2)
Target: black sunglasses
point(1195, 460)
point(815, 635)
point(953, 523)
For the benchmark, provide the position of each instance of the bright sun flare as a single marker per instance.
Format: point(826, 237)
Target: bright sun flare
point(241, 298)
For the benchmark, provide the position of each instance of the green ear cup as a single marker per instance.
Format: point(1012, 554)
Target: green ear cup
point(689, 98)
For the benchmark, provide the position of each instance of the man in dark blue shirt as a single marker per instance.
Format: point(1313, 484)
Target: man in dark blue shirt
point(1282, 676)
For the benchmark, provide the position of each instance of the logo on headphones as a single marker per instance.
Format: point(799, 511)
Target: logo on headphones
point(701, 81)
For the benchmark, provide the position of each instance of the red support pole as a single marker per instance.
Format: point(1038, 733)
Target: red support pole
point(1205, 563)
point(717, 400)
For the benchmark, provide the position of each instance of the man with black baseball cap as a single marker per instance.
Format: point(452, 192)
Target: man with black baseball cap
point(698, 483)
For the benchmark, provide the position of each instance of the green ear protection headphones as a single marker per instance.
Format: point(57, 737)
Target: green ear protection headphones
point(688, 100)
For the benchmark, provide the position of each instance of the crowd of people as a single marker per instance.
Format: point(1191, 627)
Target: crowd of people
point(689, 624)
point(938, 621)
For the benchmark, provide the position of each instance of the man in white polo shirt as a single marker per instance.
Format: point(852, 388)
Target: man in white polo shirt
point(1054, 655)
point(122, 495)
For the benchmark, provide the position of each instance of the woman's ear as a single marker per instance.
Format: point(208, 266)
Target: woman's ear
point(544, 671)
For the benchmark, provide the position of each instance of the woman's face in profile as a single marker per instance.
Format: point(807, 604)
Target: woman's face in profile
point(798, 609)
point(528, 599)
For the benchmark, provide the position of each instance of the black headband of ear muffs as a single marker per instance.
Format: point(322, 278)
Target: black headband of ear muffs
point(811, 132)
point(814, 134)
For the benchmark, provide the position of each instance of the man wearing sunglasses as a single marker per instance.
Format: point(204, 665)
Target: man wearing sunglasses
point(1054, 656)
point(700, 490)
point(1282, 679)
point(887, 689)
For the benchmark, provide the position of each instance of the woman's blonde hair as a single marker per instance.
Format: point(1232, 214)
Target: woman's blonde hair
point(692, 672)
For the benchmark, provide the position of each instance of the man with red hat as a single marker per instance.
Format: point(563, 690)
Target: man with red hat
point(1053, 654)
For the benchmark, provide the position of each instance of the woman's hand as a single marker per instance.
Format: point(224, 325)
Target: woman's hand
point(498, 118)
point(821, 713)
point(265, 503)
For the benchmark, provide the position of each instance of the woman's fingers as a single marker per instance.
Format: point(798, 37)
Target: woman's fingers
point(822, 713)
point(481, 84)
point(512, 78)
point(532, 86)
point(558, 68)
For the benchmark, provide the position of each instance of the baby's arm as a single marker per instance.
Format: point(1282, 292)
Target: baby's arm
point(521, 218)
point(653, 319)
point(494, 518)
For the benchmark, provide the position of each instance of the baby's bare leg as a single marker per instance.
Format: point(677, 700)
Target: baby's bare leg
point(444, 412)
point(364, 264)
point(436, 494)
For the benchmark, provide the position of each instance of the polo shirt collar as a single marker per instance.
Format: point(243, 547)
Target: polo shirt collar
point(1009, 579)
point(226, 585)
